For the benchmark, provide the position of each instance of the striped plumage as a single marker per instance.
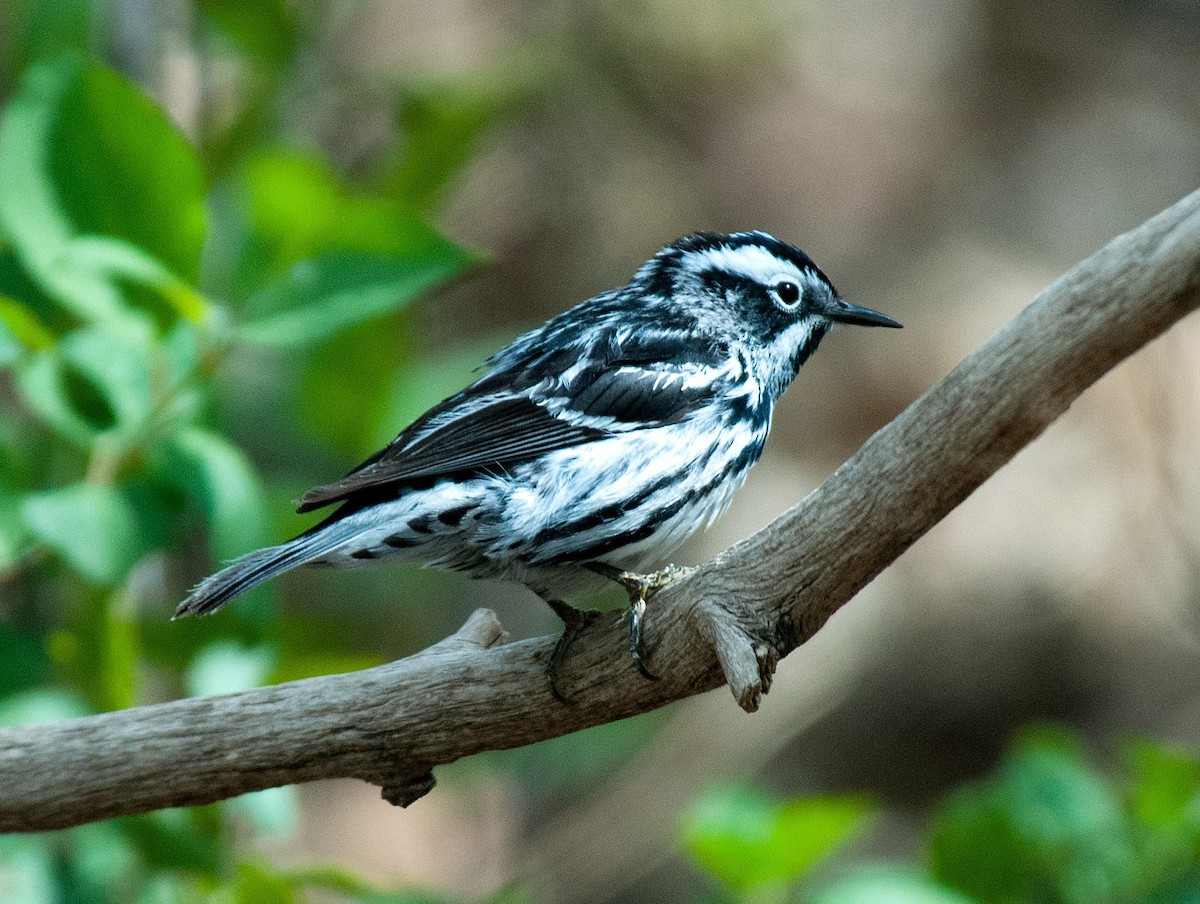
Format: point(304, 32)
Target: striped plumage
point(608, 435)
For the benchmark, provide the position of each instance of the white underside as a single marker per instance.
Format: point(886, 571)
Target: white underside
point(505, 533)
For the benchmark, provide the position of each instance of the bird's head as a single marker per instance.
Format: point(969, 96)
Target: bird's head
point(753, 289)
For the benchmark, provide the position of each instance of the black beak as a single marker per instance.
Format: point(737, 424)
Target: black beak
point(841, 311)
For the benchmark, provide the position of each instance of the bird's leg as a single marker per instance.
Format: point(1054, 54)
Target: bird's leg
point(640, 587)
point(574, 621)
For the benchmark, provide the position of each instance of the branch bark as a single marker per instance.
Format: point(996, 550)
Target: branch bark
point(729, 622)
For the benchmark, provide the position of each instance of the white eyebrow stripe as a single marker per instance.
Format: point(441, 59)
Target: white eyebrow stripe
point(751, 261)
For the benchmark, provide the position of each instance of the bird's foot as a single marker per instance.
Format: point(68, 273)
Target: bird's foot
point(641, 587)
point(574, 622)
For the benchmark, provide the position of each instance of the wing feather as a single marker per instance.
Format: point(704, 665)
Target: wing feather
point(481, 429)
point(495, 436)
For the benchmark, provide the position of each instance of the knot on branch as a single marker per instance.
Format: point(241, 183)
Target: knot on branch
point(400, 791)
point(481, 631)
point(747, 645)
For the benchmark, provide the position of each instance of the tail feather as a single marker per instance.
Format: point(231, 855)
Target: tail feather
point(261, 565)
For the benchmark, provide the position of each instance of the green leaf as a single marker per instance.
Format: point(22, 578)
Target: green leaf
point(15, 539)
point(257, 885)
point(222, 482)
point(318, 297)
point(345, 885)
point(17, 285)
point(23, 654)
point(43, 384)
point(92, 526)
point(122, 262)
point(22, 327)
point(264, 29)
point(346, 257)
point(1047, 820)
point(54, 27)
point(1166, 786)
point(181, 352)
point(332, 878)
point(10, 346)
point(31, 212)
point(441, 127)
point(299, 208)
point(124, 170)
point(746, 840)
point(118, 367)
point(1165, 803)
point(93, 382)
point(888, 885)
point(83, 152)
point(294, 200)
point(442, 123)
point(176, 839)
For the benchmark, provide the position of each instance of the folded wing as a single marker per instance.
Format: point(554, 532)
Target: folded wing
point(484, 430)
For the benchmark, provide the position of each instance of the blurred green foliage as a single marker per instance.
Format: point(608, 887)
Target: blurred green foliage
point(1049, 826)
point(751, 843)
point(139, 267)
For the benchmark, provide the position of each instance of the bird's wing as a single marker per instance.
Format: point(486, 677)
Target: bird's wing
point(484, 429)
point(493, 435)
point(631, 396)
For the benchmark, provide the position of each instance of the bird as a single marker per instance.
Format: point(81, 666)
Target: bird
point(590, 447)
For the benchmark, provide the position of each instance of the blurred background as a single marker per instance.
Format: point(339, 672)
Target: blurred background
point(243, 244)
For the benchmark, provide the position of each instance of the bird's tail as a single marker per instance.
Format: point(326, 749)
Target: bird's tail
point(261, 565)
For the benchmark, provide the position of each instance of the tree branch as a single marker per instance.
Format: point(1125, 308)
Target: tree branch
point(729, 622)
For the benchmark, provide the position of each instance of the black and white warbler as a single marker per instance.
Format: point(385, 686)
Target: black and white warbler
point(593, 445)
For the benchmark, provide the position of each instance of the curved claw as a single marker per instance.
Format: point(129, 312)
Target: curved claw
point(636, 609)
point(574, 623)
point(640, 587)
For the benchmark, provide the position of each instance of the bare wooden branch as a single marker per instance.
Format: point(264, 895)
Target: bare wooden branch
point(731, 620)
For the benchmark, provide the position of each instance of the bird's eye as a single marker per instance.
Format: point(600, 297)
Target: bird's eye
point(787, 293)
